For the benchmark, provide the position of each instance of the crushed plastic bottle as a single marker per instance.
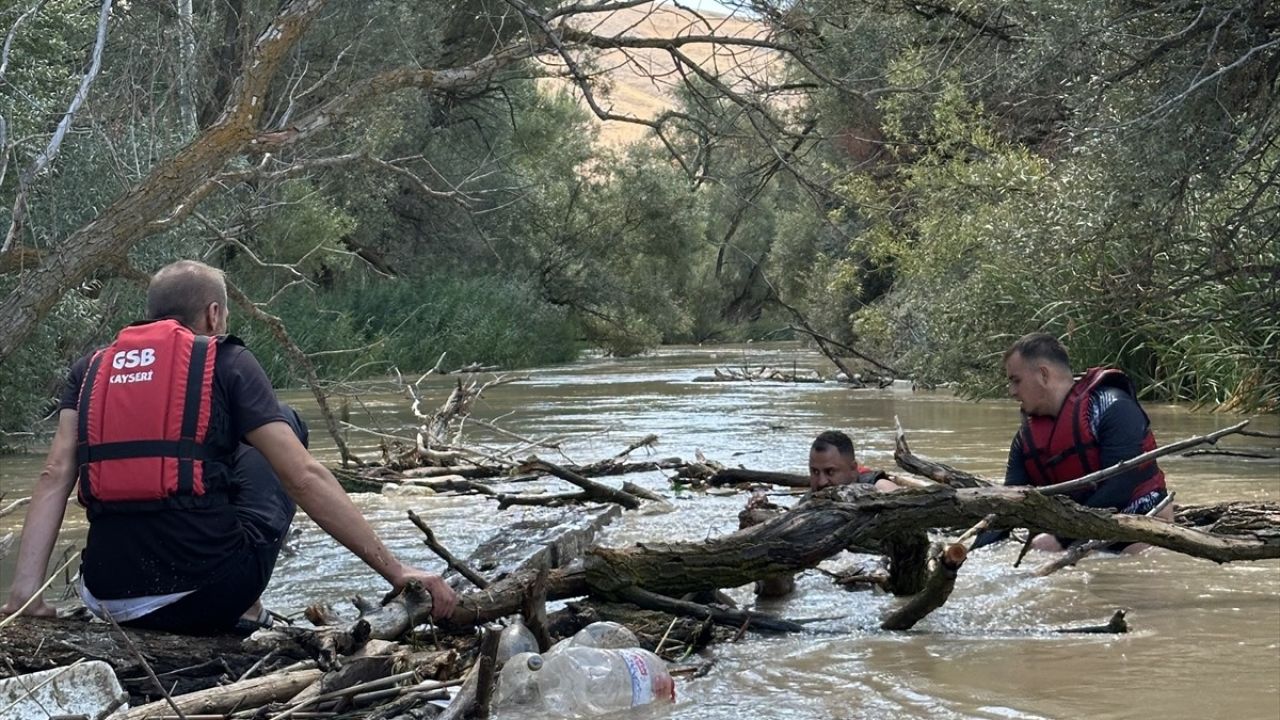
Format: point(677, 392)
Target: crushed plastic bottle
point(605, 635)
point(518, 682)
point(585, 681)
point(515, 639)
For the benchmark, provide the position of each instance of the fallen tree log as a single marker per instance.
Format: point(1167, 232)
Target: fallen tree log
point(251, 693)
point(818, 528)
point(1233, 518)
point(836, 518)
point(456, 478)
point(34, 644)
point(943, 568)
point(742, 476)
point(596, 491)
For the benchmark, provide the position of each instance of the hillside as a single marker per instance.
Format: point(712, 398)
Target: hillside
point(643, 83)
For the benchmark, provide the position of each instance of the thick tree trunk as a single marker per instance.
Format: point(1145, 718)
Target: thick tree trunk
point(184, 664)
point(841, 517)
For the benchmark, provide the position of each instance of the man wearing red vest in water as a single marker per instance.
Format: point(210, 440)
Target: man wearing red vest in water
point(186, 520)
point(1074, 427)
point(832, 461)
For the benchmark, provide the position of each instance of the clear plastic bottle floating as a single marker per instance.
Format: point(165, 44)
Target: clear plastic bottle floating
point(585, 681)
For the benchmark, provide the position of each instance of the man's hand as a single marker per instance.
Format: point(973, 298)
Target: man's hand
point(443, 598)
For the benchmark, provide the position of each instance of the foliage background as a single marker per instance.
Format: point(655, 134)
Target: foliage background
point(938, 179)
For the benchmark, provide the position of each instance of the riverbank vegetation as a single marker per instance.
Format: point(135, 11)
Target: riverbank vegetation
point(924, 181)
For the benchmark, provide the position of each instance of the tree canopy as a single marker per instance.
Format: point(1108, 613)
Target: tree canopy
point(925, 180)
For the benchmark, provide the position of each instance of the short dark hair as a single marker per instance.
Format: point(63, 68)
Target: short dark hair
point(1040, 346)
point(183, 290)
point(834, 439)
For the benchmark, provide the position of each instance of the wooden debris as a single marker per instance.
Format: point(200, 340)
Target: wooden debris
point(445, 555)
point(1115, 626)
point(758, 510)
point(943, 567)
point(15, 505)
point(595, 491)
point(864, 576)
point(762, 622)
point(251, 693)
point(760, 374)
point(533, 608)
point(1082, 548)
point(472, 699)
point(1093, 478)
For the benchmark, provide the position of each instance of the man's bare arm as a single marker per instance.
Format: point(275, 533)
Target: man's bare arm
point(318, 493)
point(44, 518)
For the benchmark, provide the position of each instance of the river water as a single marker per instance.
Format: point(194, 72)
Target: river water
point(1205, 639)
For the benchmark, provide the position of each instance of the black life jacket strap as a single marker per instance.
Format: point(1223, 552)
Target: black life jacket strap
point(191, 412)
point(1032, 453)
point(184, 450)
point(82, 424)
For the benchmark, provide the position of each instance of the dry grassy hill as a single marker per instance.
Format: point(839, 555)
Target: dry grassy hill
point(643, 83)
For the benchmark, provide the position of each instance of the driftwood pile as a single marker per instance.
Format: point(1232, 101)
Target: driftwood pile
point(390, 662)
point(763, 373)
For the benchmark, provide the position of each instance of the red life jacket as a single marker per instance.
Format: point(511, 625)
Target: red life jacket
point(868, 476)
point(1062, 448)
point(143, 421)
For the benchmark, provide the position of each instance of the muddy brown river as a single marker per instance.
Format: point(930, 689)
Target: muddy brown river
point(1205, 639)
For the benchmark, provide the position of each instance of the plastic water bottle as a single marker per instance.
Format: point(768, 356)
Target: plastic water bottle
point(585, 681)
point(605, 635)
point(518, 683)
point(515, 639)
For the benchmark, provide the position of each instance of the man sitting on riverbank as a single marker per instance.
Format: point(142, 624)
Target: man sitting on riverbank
point(1071, 428)
point(148, 431)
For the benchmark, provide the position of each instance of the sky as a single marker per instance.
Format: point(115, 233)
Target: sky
point(707, 6)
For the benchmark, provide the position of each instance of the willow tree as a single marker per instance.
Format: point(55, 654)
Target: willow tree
point(268, 114)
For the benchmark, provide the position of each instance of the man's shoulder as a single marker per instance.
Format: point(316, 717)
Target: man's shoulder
point(1104, 397)
point(232, 351)
point(1113, 409)
point(236, 364)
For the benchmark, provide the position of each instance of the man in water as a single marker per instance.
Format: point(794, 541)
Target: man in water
point(832, 461)
point(1071, 428)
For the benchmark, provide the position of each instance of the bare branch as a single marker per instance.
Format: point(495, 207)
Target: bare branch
point(50, 152)
point(300, 360)
point(13, 32)
point(441, 80)
point(171, 183)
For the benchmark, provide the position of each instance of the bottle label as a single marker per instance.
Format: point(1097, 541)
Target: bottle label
point(641, 682)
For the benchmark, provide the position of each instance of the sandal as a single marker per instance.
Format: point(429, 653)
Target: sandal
point(246, 627)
